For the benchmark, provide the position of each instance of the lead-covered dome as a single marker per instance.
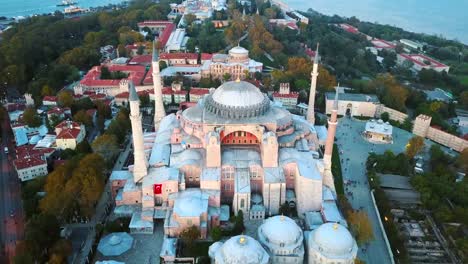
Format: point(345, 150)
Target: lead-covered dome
point(280, 230)
point(239, 249)
point(333, 239)
point(237, 99)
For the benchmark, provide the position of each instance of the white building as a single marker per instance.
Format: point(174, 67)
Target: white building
point(420, 61)
point(331, 243)
point(378, 131)
point(69, 134)
point(30, 168)
point(238, 249)
point(352, 104)
point(177, 41)
point(285, 96)
point(283, 240)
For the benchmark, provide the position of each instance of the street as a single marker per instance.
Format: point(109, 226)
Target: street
point(11, 210)
point(354, 151)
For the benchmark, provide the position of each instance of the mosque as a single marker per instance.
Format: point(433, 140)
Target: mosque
point(235, 150)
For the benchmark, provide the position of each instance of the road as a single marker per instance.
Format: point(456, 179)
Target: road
point(11, 209)
point(355, 151)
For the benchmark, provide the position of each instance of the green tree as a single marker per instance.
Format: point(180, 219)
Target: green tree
point(414, 146)
point(47, 90)
point(107, 146)
point(216, 233)
point(65, 99)
point(189, 235)
point(385, 116)
point(82, 117)
point(239, 222)
point(360, 226)
point(31, 118)
point(83, 147)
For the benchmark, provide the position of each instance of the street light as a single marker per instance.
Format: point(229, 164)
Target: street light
point(386, 219)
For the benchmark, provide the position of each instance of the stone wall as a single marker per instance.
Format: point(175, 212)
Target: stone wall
point(394, 114)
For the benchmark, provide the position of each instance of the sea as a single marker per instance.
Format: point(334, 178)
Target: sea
point(447, 18)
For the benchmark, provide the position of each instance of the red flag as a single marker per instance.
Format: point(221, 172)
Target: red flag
point(157, 188)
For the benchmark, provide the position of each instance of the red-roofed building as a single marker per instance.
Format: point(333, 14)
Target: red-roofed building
point(31, 162)
point(179, 58)
point(285, 96)
point(143, 60)
point(382, 44)
point(162, 28)
point(420, 61)
point(281, 22)
point(11, 107)
point(69, 134)
point(196, 94)
point(349, 28)
point(93, 83)
point(49, 100)
point(59, 112)
point(122, 98)
point(205, 57)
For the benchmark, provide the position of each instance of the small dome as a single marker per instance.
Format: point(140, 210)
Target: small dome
point(238, 50)
point(333, 239)
point(238, 93)
point(280, 230)
point(242, 249)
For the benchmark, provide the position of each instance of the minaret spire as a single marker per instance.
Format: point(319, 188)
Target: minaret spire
point(332, 123)
point(140, 165)
point(313, 88)
point(159, 111)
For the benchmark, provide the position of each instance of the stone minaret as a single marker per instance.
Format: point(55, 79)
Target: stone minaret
point(159, 111)
point(332, 123)
point(140, 165)
point(313, 89)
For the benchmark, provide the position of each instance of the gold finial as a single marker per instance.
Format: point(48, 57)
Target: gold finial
point(242, 239)
point(282, 218)
point(238, 79)
point(335, 226)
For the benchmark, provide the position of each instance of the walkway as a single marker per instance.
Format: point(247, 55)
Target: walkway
point(354, 152)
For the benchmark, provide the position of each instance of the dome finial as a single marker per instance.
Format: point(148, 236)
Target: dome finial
point(335, 226)
point(238, 79)
point(242, 239)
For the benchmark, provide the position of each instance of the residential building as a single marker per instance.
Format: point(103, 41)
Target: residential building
point(420, 61)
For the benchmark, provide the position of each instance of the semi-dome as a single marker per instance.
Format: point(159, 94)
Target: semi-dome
point(333, 239)
point(237, 99)
point(280, 230)
point(238, 94)
point(241, 249)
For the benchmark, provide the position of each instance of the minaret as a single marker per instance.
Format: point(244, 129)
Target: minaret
point(313, 89)
point(159, 111)
point(243, 13)
point(140, 165)
point(332, 123)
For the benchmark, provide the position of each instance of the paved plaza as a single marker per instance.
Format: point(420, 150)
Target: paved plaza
point(354, 150)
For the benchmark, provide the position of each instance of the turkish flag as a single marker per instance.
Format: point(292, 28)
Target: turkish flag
point(157, 188)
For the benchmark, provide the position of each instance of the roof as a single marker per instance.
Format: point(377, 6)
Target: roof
point(394, 181)
point(240, 249)
point(353, 97)
point(69, 133)
point(289, 95)
point(136, 73)
point(206, 56)
point(349, 28)
point(178, 55)
point(280, 229)
point(30, 151)
point(29, 162)
point(199, 91)
point(420, 59)
point(120, 175)
point(154, 23)
point(141, 59)
point(68, 124)
point(238, 94)
point(382, 44)
point(333, 239)
point(191, 203)
point(379, 127)
point(49, 98)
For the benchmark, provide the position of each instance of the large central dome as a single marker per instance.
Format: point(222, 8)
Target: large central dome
point(238, 94)
point(237, 100)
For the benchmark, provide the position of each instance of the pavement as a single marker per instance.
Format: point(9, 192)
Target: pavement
point(354, 150)
point(11, 209)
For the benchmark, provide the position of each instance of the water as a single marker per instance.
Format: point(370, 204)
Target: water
point(14, 8)
point(442, 17)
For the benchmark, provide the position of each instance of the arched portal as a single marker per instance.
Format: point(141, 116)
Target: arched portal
point(239, 138)
point(349, 108)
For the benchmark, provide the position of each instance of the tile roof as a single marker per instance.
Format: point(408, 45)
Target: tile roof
point(50, 98)
point(141, 59)
point(179, 55)
point(199, 91)
point(34, 161)
point(289, 95)
point(69, 133)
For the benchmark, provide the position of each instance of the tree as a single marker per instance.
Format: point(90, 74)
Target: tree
point(360, 226)
point(82, 117)
point(407, 124)
point(216, 233)
point(325, 80)
point(47, 90)
point(43, 229)
point(390, 91)
point(189, 19)
point(226, 77)
point(462, 160)
point(65, 99)
point(107, 146)
point(464, 99)
point(189, 235)
point(239, 222)
point(414, 146)
point(83, 147)
point(385, 116)
point(31, 118)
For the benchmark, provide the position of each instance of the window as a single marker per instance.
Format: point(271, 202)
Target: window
point(242, 203)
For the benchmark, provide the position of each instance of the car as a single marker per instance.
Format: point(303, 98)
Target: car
point(12, 213)
point(5, 150)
